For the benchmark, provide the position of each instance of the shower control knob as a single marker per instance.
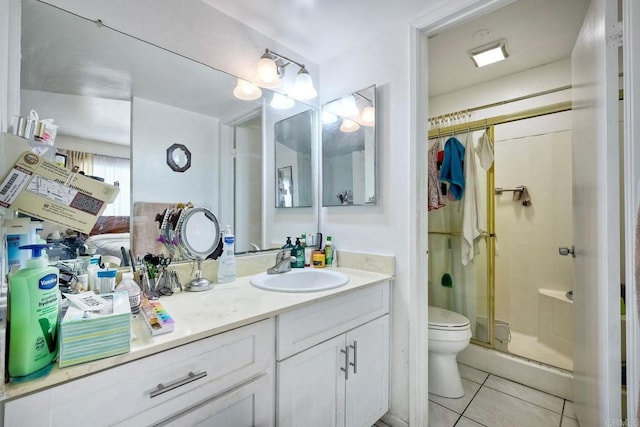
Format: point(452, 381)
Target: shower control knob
point(564, 251)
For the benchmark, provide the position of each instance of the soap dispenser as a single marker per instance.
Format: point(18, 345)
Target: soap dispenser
point(33, 307)
point(298, 252)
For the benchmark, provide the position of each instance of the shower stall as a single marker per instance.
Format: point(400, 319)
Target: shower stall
point(517, 213)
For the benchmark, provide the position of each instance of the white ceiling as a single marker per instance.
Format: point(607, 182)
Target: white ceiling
point(537, 32)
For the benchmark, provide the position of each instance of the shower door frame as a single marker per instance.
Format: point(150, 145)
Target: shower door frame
point(488, 125)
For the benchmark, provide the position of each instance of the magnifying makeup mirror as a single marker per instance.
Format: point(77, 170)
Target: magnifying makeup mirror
point(199, 236)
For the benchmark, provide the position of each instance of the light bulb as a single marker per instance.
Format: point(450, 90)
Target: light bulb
point(281, 102)
point(368, 116)
point(348, 107)
point(267, 72)
point(246, 91)
point(328, 118)
point(303, 88)
point(349, 125)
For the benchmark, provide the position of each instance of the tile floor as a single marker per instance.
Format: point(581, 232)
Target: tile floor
point(493, 401)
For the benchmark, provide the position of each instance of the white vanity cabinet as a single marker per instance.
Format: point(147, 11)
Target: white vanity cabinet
point(333, 361)
point(225, 380)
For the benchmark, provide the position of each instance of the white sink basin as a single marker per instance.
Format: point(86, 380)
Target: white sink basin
point(300, 280)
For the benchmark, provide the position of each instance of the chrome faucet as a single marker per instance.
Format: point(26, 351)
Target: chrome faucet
point(283, 262)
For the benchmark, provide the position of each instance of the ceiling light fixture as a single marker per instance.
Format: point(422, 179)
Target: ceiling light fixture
point(489, 53)
point(246, 91)
point(270, 71)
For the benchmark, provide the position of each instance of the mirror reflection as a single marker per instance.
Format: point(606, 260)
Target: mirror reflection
point(117, 97)
point(349, 150)
point(293, 160)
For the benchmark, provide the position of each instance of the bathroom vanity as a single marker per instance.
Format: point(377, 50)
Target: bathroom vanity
point(239, 356)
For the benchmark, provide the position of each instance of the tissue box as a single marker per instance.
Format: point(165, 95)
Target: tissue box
point(87, 336)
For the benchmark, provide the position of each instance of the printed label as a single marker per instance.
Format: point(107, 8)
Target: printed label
point(13, 185)
point(49, 281)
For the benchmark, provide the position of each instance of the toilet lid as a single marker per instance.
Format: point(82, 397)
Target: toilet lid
point(439, 317)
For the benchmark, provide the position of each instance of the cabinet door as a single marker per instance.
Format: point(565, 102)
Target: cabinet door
point(248, 405)
point(367, 390)
point(311, 386)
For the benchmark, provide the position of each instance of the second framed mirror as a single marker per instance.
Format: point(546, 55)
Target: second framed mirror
point(349, 150)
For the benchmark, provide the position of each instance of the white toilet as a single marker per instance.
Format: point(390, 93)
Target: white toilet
point(449, 334)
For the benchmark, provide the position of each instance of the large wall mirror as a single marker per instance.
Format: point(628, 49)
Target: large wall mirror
point(349, 150)
point(123, 101)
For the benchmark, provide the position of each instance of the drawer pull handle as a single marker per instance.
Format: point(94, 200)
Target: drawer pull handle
point(355, 357)
point(191, 377)
point(346, 363)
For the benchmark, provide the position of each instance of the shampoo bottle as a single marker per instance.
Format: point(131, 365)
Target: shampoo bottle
point(328, 252)
point(298, 252)
point(34, 306)
point(227, 261)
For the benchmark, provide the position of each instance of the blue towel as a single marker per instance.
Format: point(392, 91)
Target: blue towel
point(452, 170)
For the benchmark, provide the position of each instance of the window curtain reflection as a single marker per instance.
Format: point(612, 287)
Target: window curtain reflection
point(115, 171)
point(84, 161)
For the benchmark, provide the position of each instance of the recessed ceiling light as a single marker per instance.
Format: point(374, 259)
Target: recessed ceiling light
point(489, 53)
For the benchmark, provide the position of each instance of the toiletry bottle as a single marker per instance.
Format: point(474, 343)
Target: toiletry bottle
point(34, 306)
point(298, 252)
point(130, 286)
point(227, 261)
point(328, 252)
point(308, 248)
point(288, 245)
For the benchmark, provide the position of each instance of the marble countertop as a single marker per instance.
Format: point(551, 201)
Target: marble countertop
point(200, 315)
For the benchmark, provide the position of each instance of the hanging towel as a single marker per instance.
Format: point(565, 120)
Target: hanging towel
point(472, 214)
point(436, 201)
point(484, 150)
point(452, 167)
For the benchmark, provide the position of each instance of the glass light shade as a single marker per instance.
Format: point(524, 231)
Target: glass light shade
point(246, 91)
point(486, 55)
point(303, 88)
point(349, 125)
point(281, 102)
point(348, 107)
point(368, 117)
point(267, 73)
point(328, 118)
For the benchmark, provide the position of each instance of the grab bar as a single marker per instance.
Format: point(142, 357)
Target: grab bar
point(519, 189)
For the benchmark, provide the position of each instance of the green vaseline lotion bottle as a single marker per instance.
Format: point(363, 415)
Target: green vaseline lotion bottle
point(33, 312)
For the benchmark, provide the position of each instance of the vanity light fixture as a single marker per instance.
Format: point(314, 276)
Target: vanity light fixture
point(349, 125)
point(246, 91)
point(281, 102)
point(489, 53)
point(271, 68)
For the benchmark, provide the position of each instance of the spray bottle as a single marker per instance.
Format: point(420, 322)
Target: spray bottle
point(33, 314)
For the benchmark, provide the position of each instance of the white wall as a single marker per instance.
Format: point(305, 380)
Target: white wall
point(154, 128)
point(383, 228)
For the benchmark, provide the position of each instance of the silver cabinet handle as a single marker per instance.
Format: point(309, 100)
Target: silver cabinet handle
point(191, 377)
point(564, 251)
point(355, 357)
point(346, 363)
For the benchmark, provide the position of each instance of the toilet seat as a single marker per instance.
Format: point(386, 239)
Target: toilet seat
point(445, 320)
